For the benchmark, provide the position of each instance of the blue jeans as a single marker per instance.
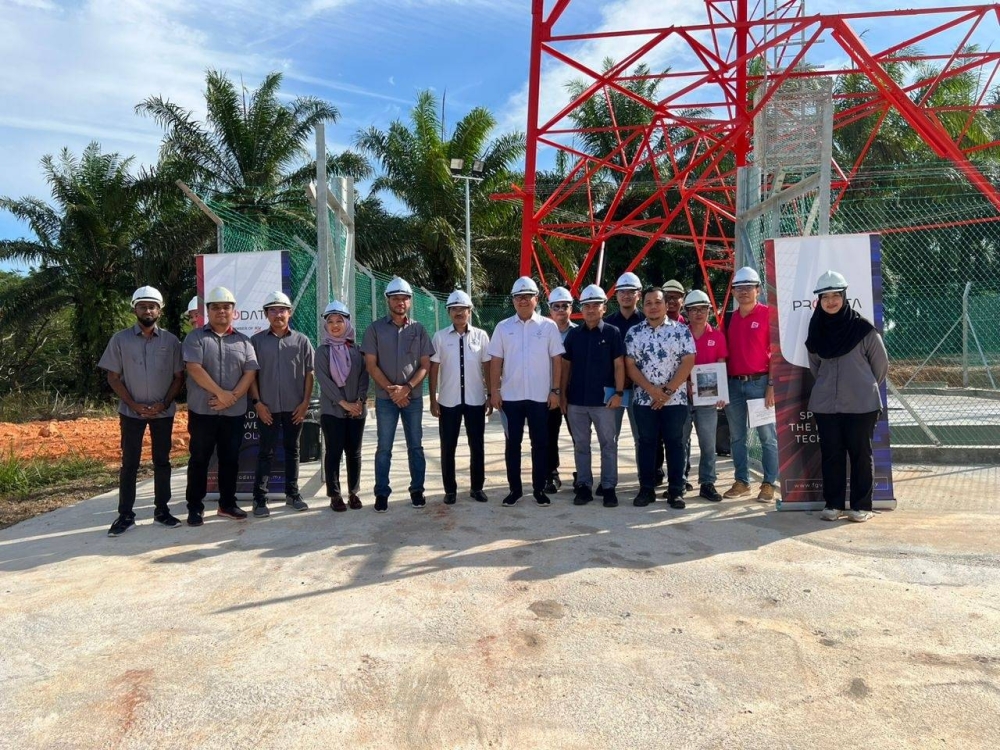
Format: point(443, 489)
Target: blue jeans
point(741, 391)
point(653, 425)
point(387, 416)
point(705, 420)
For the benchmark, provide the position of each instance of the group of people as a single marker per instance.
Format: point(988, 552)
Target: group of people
point(537, 372)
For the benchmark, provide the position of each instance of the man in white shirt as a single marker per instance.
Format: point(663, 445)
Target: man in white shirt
point(526, 351)
point(458, 377)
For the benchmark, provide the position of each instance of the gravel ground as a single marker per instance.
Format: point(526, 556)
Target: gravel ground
point(477, 626)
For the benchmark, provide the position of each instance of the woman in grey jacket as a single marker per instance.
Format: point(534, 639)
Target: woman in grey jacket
point(849, 362)
point(343, 386)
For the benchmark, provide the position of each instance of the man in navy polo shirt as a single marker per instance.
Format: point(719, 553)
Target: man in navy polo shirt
point(593, 381)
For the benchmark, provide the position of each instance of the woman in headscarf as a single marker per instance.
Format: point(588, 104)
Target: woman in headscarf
point(849, 362)
point(343, 384)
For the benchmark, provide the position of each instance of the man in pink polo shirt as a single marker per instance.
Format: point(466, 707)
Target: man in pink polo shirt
point(749, 342)
point(710, 344)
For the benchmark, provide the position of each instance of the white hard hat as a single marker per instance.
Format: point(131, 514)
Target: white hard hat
point(336, 307)
point(697, 298)
point(458, 298)
point(193, 304)
point(746, 276)
point(398, 286)
point(147, 294)
point(524, 285)
point(830, 281)
point(560, 294)
point(592, 293)
point(220, 294)
point(673, 286)
point(277, 299)
point(628, 281)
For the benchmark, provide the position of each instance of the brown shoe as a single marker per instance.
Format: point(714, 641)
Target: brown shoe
point(739, 489)
point(354, 502)
point(337, 504)
point(766, 494)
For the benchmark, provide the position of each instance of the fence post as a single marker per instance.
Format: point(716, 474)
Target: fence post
point(965, 334)
point(371, 285)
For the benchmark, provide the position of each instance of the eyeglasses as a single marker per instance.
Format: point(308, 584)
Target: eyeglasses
point(523, 297)
point(560, 306)
point(277, 310)
point(700, 310)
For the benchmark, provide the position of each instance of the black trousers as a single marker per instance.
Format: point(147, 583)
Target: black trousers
point(281, 422)
point(555, 420)
point(535, 414)
point(223, 435)
point(132, 430)
point(843, 437)
point(343, 437)
point(449, 426)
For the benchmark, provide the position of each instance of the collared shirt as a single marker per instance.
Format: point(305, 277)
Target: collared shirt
point(749, 342)
point(657, 353)
point(146, 366)
point(592, 353)
point(284, 362)
point(461, 356)
point(527, 348)
point(623, 324)
point(224, 358)
point(711, 346)
point(397, 349)
point(565, 333)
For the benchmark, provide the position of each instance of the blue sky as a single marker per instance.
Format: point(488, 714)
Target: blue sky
point(72, 71)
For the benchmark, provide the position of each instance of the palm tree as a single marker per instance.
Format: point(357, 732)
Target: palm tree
point(84, 246)
point(250, 150)
point(414, 162)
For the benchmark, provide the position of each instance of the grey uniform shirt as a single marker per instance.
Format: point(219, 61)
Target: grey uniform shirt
point(146, 366)
point(397, 349)
point(850, 384)
point(225, 358)
point(284, 363)
point(355, 387)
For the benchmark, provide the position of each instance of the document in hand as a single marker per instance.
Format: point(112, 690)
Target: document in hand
point(759, 414)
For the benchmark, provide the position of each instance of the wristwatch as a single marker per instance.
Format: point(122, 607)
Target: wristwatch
point(255, 401)
point(620, 394)
point(667, 389)
point(556, 391)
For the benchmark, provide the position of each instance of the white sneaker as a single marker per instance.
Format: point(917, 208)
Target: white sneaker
point(831, 514)
point(858, 516)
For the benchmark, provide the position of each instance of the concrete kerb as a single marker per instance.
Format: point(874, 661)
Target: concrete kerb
point(473, 625)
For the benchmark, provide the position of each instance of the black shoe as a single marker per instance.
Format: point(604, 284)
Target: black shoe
point(232, 511)
point(260, 509)
point(381, 503)
point(688, 487)
point(165, 519)
point(610, 499)
point(195, 518)
point(708, 492)
point(541, 498)
point(511, 500)
point(553, 483)
point(676, 502)
point(645, 497)
point(599, 492)
point(583, 495)
point(121, 525)
point(479, 496)
point(295, 502)
point(450, 498)
point(417, 500)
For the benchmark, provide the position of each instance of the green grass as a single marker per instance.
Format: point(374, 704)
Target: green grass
point(20, 476)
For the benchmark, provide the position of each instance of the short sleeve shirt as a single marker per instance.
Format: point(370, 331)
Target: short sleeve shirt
point(284, 363)
point(657, 353)
point(623, 324)
point(592, 353)
point(224, 358)
point(749, 342)
point(526, 348)
point(711, 346)
point(397, 349)
point(461, 356)
point(146, 366)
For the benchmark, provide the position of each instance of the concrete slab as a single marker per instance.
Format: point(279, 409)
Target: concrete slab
point(475, 626)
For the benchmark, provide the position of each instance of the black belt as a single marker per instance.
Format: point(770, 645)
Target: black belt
point(745, 378)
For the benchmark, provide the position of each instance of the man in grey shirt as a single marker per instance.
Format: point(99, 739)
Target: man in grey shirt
point(280, 396)
point(221, 365)
point(145, 369)
point(398, 356)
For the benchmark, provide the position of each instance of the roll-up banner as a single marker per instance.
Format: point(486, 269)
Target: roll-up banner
point(249, 276)
point(793, 265)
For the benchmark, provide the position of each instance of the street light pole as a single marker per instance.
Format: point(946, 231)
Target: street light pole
point(457, 165)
